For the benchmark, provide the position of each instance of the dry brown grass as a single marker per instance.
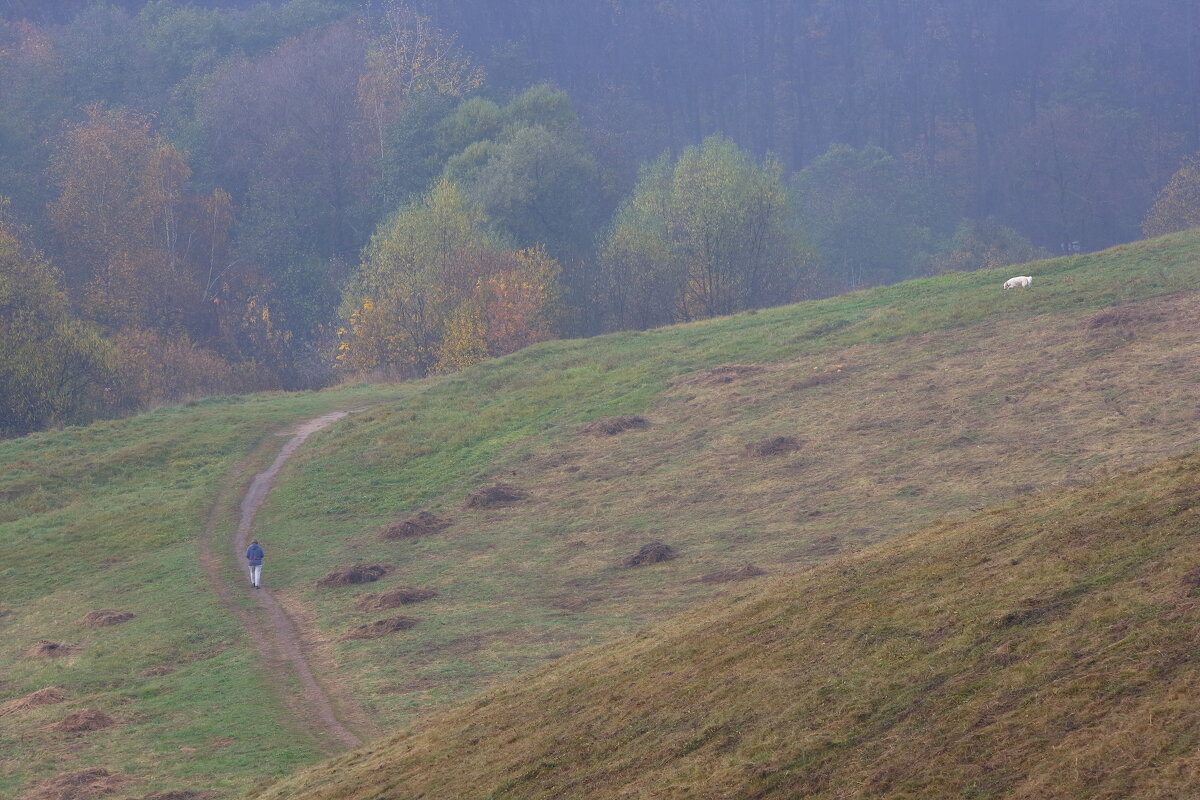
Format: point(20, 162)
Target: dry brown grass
point(499, 494)
point(721, 376)
point(383, 627)
point(612, 426)
point(1043, 649)
point(731, 574)
point(400, 596)
point(86, 784)
point(421, 524)
point(48, 649)
point(352, 575)
point(651, 553)
point(42, 697)
point(772, 446)
point(103, 617)
point(85, 721)
point(154, 672)
point(896, 435)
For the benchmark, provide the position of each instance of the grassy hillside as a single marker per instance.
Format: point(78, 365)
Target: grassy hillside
point(108, 517)
point(1046, 648)
point(910, 404)
point(905, 405)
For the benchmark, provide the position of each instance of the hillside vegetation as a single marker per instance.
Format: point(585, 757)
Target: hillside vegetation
point(768, 442)
point(109, 517)
point(773, 440)
point(1046, 648)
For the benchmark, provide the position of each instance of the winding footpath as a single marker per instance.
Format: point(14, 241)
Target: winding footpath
point(274, 633)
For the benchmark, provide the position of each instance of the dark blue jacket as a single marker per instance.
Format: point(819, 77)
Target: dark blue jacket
point(254, 554)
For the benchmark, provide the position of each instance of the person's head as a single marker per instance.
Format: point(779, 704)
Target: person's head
point(255, 541)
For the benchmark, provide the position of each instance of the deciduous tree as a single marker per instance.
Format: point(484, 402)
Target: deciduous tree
point(53, 367)
point(407, 56)
point(1177, 206)
point(438, 290)
point(710, 234)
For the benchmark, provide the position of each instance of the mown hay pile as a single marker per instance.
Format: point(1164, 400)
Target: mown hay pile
point(496, 495)
point(359, 573)
point(84, 785)
point(722, 375)
point(154, 672)
point(382, 627)
point(48, 649)
point(652, 553)
point(103, 617)
point(90, 719)
point(422, 524)
point(730, 574)
point(776, 445)
point(402, 596)
point(1192, 580)
point(611, 426)
point(42, 697)
point(819, 379)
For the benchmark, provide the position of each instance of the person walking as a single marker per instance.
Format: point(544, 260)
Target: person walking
point(254, 556)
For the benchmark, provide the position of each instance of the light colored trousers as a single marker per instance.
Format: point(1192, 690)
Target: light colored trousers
point(255, 574)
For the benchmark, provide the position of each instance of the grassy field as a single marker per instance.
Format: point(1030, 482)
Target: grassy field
point(108, 517)
point(1043, 649)
point(908, 404)
point(925, 401)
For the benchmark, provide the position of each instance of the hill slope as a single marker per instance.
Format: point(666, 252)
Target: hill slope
point(904, 405)
point(108, 518)
point(1044, 649)
point(775, 439)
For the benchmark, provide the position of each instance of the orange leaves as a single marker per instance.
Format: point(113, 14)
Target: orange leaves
point(436, 283)
point(519, 304)
point(437, 292)
point(149, 253)
point(120, 183)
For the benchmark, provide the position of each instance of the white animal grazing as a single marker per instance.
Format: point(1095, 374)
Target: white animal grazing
point(1020, 280)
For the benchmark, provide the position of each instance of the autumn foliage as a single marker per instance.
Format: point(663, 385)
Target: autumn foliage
point(438, 292)
point(235, 195)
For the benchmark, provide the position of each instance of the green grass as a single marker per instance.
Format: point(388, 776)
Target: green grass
point(952, 396)
point(108, 516)
point(914, 404)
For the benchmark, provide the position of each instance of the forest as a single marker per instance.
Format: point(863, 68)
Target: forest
point(204, 198)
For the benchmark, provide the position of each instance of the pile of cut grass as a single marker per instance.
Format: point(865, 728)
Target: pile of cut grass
point(1044, 649)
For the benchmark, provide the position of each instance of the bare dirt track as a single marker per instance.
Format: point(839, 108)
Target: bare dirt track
point(279, 641)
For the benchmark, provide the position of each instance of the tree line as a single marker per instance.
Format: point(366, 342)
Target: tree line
point(232, 196)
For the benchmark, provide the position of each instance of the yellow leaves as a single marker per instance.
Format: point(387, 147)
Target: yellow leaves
point(463, 342)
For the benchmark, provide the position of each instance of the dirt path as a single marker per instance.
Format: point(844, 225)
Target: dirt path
point(276, 636)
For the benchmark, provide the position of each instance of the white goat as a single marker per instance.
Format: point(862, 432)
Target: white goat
point(1020, 280)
